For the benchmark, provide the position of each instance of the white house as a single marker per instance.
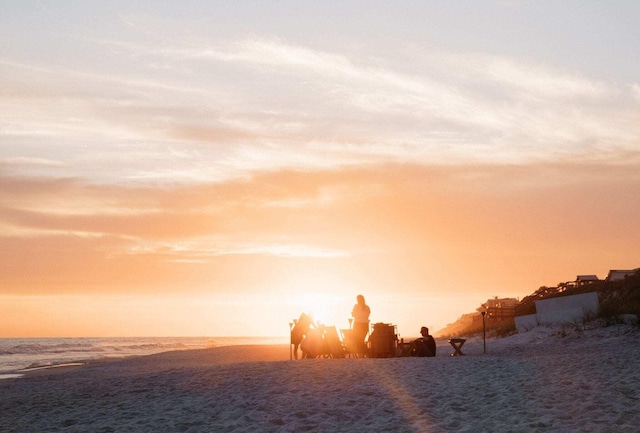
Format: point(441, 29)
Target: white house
point(618, 275)
point(563, 309)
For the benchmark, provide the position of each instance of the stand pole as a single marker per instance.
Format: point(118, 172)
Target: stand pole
point(290, 341)
point(484, 333)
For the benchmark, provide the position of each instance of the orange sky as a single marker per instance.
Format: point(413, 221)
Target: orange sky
point(423, 244)
point(216, 169)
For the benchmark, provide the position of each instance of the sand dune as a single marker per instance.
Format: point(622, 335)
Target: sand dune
point(537, 381)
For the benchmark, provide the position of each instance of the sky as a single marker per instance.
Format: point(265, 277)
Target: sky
point(216, 168)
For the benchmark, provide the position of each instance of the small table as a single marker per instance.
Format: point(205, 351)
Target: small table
point(457, 344)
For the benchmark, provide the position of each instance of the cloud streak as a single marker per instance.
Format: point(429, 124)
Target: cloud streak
point(284, 225)
point(311, 108)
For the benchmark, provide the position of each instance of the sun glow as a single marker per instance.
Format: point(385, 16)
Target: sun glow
point(325, 308)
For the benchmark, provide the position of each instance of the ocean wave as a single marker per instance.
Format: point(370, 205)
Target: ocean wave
point(101, 347)
point(143, 347)
point(27, 349)
point(20, 352)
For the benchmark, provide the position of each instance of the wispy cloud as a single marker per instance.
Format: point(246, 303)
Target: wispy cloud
point(8, 163)
point(286, 250)
point(230, 107)
point(411, 221)
point(200, 251)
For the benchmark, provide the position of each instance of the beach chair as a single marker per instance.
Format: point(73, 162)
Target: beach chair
point(313, 345)
point(351, 347)
point(333, 344)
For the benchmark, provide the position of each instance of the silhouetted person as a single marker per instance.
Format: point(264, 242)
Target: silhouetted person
point(425, 345)
point(299, 331)
point(360, 314)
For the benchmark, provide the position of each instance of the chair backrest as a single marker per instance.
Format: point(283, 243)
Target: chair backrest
point(334, 346)
point(350, 344)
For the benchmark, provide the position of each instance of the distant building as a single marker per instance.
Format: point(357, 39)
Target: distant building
point(582, 280)
point(619, 275)
point(500, 308)
point(499, 312)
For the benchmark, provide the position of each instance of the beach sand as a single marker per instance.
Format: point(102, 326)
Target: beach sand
point(541, 380)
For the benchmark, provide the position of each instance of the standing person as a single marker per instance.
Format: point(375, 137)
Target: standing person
point(360, 314)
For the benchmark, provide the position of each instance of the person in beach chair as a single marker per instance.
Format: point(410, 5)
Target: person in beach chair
point(424, 346)
point(314, 345)
point(299, 331)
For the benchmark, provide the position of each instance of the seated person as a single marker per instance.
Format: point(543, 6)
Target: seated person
point(314, 343)
point(425, 345)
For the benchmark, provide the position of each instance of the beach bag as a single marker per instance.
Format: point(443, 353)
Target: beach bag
point(382, 341)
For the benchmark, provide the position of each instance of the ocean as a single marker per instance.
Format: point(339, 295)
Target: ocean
point(22, 353)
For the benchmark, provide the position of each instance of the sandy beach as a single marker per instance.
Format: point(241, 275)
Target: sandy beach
point(542, 380)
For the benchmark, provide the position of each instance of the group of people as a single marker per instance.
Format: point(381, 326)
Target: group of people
point(423, 346)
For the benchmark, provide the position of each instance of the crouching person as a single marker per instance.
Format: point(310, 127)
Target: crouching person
point(299, 332)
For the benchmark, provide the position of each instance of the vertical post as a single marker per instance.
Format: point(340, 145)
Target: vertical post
point(484, 333)
point(290, 341)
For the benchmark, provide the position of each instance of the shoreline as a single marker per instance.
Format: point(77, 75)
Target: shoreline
point(536, 381)
point(249, 353)
point(183, 358)
point(22, 353)
point(242, 353)
point(209, 356)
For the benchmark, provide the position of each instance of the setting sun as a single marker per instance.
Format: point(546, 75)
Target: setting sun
point(323, 308)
